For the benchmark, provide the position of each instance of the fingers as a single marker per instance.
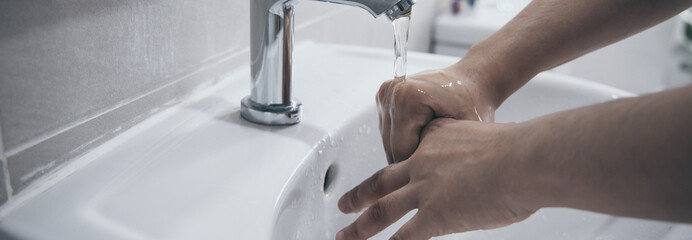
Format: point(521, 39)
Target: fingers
point(403, 113)
point(407, 123)
point(386, 131)
point(381, 214)
point(378, 185)
point(383, 104)
point(416, 228)
point(434, 125)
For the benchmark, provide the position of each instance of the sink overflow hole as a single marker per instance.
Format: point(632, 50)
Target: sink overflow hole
point(329, 178)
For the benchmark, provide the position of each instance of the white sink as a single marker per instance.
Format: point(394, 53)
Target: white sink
point(308, 204)
point(198, 171)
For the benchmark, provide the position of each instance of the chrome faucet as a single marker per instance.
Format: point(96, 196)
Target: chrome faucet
point(271, 46)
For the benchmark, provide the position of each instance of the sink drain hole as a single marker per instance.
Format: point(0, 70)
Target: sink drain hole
point(329, 178)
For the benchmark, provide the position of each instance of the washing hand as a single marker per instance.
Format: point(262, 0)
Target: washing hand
point(468, 175)
point(458, 182)
point(406, 106)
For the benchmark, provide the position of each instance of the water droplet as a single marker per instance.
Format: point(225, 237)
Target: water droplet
point(479, 116)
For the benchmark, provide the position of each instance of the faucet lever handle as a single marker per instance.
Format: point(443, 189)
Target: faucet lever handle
point(402, 7)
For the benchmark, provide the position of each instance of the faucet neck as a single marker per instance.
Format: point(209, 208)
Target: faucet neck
point(271, 46)
point(271, 50)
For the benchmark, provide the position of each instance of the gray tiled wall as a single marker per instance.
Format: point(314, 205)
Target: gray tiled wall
point(75, 73)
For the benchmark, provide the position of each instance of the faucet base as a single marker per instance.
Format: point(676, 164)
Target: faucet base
point(272, 114)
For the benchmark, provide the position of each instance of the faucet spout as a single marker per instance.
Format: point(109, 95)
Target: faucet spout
point(391, 8)
point(271, 50)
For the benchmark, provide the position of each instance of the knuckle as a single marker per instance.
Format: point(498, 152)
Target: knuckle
point(375, 185)
point(424, 152)
point(353, 198)
point(401, 93)
point(377, 212)
point(352, 232)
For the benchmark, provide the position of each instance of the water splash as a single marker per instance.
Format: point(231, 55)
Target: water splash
point(489, 115)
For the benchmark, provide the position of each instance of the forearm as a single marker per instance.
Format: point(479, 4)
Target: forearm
point(548, 33)
point(631, 157)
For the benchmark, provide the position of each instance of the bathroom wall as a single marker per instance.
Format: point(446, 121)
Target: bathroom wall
point(75, 73)
point(630, 66)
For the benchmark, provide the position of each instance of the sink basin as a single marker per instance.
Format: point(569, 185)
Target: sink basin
point(308, 209)
point(198, 171)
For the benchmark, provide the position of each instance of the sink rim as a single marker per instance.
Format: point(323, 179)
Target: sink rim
point(79, 180)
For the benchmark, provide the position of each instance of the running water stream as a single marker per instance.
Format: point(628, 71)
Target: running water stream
point(401, 26)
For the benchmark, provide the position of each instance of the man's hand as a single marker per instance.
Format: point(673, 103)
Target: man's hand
point(406, 106)
point(468, 175)
point(460, 179)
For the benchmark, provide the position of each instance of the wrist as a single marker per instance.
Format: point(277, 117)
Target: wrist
point(497, 69)
point(481, 86)
point(531, 180)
